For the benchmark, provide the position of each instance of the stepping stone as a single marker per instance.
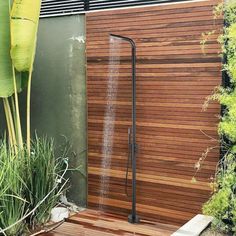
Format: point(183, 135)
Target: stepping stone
point(194, 227)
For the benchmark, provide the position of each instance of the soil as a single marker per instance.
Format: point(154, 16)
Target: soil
point(210, 232)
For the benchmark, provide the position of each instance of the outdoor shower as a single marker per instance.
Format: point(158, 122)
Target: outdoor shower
point(133, 217)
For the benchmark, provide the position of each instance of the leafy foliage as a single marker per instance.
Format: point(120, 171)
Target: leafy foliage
point(31, 181)
point(24, 25)
point(12, 202)
point(222, 204)
point(6, 77)
point(6, 69)
point(30, 187)
point(42, 181)
point(19, 21)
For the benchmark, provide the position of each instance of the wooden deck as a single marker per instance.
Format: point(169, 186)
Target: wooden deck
point(93, 223)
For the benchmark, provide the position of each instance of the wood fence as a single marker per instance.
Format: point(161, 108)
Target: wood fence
point(174, 77)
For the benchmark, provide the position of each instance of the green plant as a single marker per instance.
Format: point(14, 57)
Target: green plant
point(31, 177)
point(222, 204)
point(43, 180)
point(18, 36)
point(24, 28)
point(8, 83)
point(12, 201)
point(30, 187)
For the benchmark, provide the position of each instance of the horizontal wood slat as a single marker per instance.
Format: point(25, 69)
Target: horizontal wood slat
point(174, 77)
point(93, 223)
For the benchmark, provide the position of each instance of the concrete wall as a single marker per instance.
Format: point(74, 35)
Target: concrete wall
point(59, 91)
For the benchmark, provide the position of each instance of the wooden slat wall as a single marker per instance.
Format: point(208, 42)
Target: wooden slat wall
point(173, 79)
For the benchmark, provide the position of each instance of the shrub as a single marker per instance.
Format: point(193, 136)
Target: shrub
point(12, 187)
point(45, 175)
point(30, 186)
point(222, 204)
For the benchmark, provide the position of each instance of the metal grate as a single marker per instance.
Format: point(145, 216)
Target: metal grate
point(68, 7)
point(61, 7)
point(105, 4)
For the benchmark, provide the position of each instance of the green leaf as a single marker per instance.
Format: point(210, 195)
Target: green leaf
point(232, 31)
point(6, 78)
point(6, 74)
point(24, 26)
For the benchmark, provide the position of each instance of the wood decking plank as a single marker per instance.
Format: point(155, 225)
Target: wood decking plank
point(91, 223)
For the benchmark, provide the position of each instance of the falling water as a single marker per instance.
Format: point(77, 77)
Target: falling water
point(109, 119)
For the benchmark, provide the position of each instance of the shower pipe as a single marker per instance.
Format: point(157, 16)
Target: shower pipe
point(133, 217)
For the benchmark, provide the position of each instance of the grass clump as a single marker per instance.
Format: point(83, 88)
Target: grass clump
point(12, 188)
point(45, 174)
point(30, 186)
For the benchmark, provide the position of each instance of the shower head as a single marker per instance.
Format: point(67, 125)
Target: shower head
point(131, 41)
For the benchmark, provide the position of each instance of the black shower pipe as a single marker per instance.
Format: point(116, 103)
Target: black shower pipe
point(133, 217)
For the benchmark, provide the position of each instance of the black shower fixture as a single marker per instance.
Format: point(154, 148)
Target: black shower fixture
point(133, 217)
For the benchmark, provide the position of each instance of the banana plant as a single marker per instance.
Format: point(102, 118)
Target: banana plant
point(7, 79)
point(6, 76)
point(24, 27)
point(19, 25)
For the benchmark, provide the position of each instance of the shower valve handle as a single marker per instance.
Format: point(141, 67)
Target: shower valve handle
point(136, 147)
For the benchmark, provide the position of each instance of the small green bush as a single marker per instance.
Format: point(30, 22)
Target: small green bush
point(44, 171)
point(12, 187)
point(222, 204)
point(30, 186)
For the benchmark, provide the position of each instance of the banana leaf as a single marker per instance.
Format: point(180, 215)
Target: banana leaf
point(6, 76)
point(24, 26)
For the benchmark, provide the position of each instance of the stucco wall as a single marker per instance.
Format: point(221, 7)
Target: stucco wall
point(59, 91)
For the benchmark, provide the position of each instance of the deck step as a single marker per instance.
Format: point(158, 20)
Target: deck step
point(194, 227)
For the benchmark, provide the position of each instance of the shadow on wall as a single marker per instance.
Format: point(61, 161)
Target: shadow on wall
point(59, 92)
point(2, 119)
